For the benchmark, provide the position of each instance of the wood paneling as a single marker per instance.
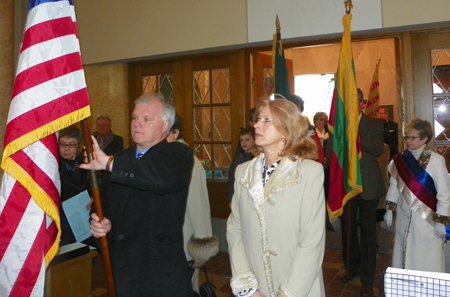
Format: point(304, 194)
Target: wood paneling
point(182, 69)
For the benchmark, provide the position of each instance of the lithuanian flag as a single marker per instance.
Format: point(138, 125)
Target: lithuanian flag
point(279, 64)
point(345, 175)
point(374, 96)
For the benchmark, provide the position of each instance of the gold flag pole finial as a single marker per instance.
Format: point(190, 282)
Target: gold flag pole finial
point(277, 24)
point(348, 6)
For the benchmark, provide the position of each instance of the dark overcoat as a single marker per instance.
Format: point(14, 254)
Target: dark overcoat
point(146, 202)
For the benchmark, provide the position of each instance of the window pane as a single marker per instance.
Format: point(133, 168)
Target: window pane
point(149, 84)
point(222, 160)
point(201, 87)
point(202, 124)
point(269, 82)
point(166, 85)
point(221, 85)
point(222, 123)
point(442, 118)
point(203, 153)
point(160, 83)
point(441, 71)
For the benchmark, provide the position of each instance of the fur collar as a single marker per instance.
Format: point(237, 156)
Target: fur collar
point(286, 175)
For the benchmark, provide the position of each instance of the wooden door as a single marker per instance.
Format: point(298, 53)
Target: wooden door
point(430, 91)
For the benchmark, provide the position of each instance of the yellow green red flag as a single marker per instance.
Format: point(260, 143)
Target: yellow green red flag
point(345, 180)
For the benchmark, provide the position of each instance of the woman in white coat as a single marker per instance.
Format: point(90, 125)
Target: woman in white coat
point(419, 190)
point(199, 243)
point(276, 231)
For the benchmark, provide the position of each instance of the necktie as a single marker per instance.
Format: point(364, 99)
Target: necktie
point(139, 156)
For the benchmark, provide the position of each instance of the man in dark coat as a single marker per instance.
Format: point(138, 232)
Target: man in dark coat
point(390, 132)
point(363, 249)
point(145, 191)
point(109, 142)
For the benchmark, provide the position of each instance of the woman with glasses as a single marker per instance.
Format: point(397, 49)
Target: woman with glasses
point(73, 179)
point(419, 191)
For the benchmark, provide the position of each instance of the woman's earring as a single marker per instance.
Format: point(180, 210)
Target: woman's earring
point(283, 139)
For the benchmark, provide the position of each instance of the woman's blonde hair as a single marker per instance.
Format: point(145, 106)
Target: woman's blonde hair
point(289, 121)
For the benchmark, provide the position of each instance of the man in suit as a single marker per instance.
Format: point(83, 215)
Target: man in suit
point(390, 131)
point(363, 250)
point(145, 189)
point(109, 142)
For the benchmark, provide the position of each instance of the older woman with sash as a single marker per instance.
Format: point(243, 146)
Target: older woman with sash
point(420, 192)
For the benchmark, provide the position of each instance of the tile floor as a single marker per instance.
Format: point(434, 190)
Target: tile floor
point(219, 265)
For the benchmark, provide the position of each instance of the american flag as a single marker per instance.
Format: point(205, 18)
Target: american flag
point(49, 94)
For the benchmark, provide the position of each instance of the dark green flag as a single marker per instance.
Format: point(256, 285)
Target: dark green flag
point(279, 66)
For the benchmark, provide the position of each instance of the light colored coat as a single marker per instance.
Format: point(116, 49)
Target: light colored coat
point(424, 249)
point(276, 233)
point(197, 221)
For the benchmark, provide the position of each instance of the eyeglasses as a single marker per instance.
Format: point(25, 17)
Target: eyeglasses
point(410, 137)
point(319, 119)
point(71, 145)
point(102, 125)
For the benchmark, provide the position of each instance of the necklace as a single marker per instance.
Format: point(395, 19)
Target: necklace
point(71, 168)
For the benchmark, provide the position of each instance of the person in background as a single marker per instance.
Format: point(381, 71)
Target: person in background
point(390, 131)
point(298, 101)
point(420, 193)
point(321, 129)
point(144, 191)
point(251, 121)
point(363, 248)
point(109, 142)
point(73, 180)
point(247, 141)
point(199, 243)
point(276, 230)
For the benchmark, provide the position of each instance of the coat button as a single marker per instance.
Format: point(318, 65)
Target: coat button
point(131, 175)
point(121, 236)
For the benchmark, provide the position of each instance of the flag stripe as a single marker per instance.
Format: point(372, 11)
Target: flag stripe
point(38, 176)
point(47, 51)
point(20, 244)
point(46, 71)
point(46, 31)
point(14, 209)
point(44, 94)
point(52, 111)
point(39, 12)
point(28, 275)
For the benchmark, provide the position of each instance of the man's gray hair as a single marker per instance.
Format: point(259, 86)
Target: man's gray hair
point(168, 107)
point(103, 117)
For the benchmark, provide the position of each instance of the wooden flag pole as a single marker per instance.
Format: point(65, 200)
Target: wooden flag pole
point(98, 209)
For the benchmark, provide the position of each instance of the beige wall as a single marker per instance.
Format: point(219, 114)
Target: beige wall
point(410, 12)
point(142, 28)
point(324, 59)
point(6, 63)
point(119, 30)
point(108, 92)
point(131, 29)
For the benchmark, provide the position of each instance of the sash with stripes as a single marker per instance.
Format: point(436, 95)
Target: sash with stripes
point(415, 184)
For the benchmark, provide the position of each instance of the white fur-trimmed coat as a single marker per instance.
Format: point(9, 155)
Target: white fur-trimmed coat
point(276, 233)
